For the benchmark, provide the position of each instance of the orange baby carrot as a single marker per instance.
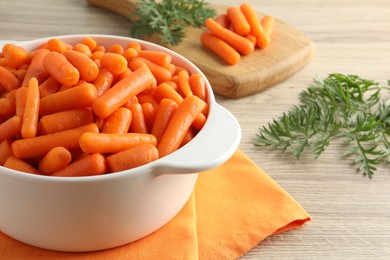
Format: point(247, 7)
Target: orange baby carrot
point(184, 83)
point(5, 150)
point(94, 164)
point(238, 20)
point(7, 107)
point(48, 87)
point(100, 48)
point(160, 58)
point(97, 55)
point(188, 137)
point(77, 97)
point(87, 68)
point(239, 43)
point(36, 69)
point(160, 73)
point(114, 62)
point(223, 20)
point(61, 69)
point(179, 124)
point(40, 145)
point(147, 98)
point(268, 24)
point(19, 165)
point(138, 124)
point(65, 120)
point(250, 14)
point(103, 81)
point(198, 86)
point(20, 101)
point(132, 157)
point(55, 160)
point(149, 112)
point(113, 143)
point(8, 81)
point(15, 56)
point(31, 111)
point(252, 38)
point(57, 45)
point(118, 122)
point(166, 91)
point(10, 128)
point(116, 48)
point(221, 48)
point(135, 45)
point(122, 91)
point(130, 54)
point(165, 110)
point(91, 43)
point(80, 47)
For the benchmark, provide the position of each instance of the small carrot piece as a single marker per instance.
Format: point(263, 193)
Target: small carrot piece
point(132, 157)
point(165, 110)
point(138, 124)
point(5, 150)
point(160, 58)
point(250, 14)
point(184, 83)
point(8, 81)
point(122, 91)
point(103, 81)
point(198, 86)
point(57, 45)
point(149, 112)
point(116, 48)
point(10, 128)
point(238, 20)
point(87, 68)
point(41, 145)
point(82, 48)
point(65, 120)
point(179, 124)
point(135, 45)
point(113, 143)
point(91, 43)
point(36, 69)
point(73, 98)
point(118, 122)
point(61, 69)
point(114, 62)
point(221, 48)
point(97, 55)
point(48, 87)
point(239, 43)
point(252, 38)
point(188, 137)
point(160, 73)
point(15, 56)
point(223, 20)
point(19, 165)
point(130, 54)
point(55, 160)
point(94, 164)
point(7, 107)
point(166, 91)
point(268, 24)
point(31, 112)
point(20, 101)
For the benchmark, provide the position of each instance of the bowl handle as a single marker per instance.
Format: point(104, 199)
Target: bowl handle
point(211, 147)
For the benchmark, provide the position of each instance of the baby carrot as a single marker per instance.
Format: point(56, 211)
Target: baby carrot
point(36, 69)
point(138, 124)
point(87, 68)
point(130, 54)
point(160, 73)
point(122, 91)
point(77, 97)
point(268, 24)
point(179, 124)
point(132, 157)
point(116, 48)
point(93, 164)
point(97, 55)
point(48, 87)
point(10, 128)
point(19, 165)
point(82, 48)
point(20, 101)
point(223, 20)
point(238, 20)
point(166, 91)
point(198, 86)
point(184, 83)
point(239, 43)
point(61, 69)
point(55, 160)
point(149, 112)
point(113, 143)
point(114, 62)
point(165, 110)
point(91, 43)
point(221, 48)
point(118, 122)
point(57, 45)
point(135, 45)
point(5, 150)
point(188, 137)
point(65, 120)
point(14, 56)
point(8, 81)
point(7, 107)
point(251, 16)
point(160, 58)
point(103, 81)
point(31, 112)
point(39, 145)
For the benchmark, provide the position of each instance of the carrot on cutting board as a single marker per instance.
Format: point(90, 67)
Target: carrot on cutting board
point(93, 164)
point(87, 68)
point(36, 69)
point(220, 47)
point(61, 69)
point(113, 143)
point(132, 157)
point(55, 160)
point(268, 23)
point(238, 20)
point(118, 122)
point(223, 20)
point(179, 124)
point(31, 111)
point(256, 29)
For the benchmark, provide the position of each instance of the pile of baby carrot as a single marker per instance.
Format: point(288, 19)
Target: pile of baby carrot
point(87, 109)
point(237, 32)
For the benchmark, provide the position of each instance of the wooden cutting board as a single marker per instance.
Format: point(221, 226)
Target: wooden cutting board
point(289, 51)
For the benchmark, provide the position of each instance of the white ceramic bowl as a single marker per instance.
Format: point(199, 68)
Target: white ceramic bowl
point(99, 212)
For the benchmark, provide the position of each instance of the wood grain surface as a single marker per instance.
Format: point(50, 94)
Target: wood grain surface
point(351, 214)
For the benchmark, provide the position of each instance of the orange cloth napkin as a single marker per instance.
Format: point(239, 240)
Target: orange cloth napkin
point(232, 209)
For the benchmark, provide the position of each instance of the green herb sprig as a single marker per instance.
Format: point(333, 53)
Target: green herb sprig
point(339, 106)
point(168, 18)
